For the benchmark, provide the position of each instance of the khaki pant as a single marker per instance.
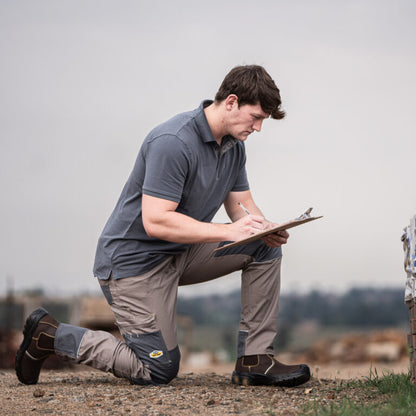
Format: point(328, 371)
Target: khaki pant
point(145, 310)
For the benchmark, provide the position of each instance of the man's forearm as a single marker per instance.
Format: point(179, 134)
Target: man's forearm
point(161, 220)
point(179, 228)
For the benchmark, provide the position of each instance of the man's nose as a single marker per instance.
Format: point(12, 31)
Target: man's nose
point(257, 125)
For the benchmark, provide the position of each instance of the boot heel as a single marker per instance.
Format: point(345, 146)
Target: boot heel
point(240, 379)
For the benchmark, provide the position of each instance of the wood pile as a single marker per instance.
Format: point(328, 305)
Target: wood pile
point(378, 346)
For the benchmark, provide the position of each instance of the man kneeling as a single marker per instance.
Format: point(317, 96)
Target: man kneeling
point(160, 236)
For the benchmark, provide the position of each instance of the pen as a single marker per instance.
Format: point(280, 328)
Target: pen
point(244, 209)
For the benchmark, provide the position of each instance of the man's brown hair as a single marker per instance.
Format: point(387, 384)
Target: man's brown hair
point(252, 85)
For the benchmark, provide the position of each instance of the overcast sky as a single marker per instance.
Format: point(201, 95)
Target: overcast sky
point(83, 81)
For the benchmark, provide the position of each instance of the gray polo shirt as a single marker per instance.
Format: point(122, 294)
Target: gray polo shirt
point(180, 161)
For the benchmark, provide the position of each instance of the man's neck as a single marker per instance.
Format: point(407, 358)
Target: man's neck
point(215, 119)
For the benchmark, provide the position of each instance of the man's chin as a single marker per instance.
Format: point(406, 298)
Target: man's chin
point(243, 136)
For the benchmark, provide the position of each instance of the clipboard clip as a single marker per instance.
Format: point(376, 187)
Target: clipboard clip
point(305, 215)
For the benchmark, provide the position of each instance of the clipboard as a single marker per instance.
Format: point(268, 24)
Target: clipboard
point(302, 219)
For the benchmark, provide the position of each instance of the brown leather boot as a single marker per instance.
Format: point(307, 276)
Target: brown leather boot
point(37, 345)
point(263, 369)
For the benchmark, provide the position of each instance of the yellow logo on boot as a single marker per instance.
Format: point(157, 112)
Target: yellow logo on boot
point(156, 354)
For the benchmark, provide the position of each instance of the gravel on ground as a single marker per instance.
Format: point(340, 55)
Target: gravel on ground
point(91, 392)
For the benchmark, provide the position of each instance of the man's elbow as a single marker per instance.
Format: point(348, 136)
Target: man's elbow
point(151, 229)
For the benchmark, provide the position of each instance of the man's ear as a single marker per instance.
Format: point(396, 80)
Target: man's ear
point(231, 101)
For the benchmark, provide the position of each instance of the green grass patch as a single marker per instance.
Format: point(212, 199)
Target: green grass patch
point(386, 395)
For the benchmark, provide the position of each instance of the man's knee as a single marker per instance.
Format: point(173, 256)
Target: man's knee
point(163, 374)
point(257, 250)
point(264, 253)
point(151, 350)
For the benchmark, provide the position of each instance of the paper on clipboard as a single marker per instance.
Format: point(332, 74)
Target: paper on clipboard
point(304, 218)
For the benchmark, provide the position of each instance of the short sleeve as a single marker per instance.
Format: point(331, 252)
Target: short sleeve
point(167, 163)
point(241, 184)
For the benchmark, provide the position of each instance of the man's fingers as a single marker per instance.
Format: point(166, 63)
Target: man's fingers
point(276, 239)
point(257, 219)
point(283, 233)
point(254, 221)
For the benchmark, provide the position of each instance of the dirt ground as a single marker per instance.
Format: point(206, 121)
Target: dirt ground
point(201, 391)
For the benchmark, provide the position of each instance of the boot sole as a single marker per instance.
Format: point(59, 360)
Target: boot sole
point(28, 330)
point(284, 380)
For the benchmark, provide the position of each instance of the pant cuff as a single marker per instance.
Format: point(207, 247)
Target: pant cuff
point(241, 346)
point(68, 339)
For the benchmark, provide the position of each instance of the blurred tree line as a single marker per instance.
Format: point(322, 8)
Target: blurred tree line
point(356, 308)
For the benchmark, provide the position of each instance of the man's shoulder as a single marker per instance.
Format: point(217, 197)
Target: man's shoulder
point(179, 125)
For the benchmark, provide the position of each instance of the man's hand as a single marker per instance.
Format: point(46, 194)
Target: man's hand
point(245, 227)
point(276, 239)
